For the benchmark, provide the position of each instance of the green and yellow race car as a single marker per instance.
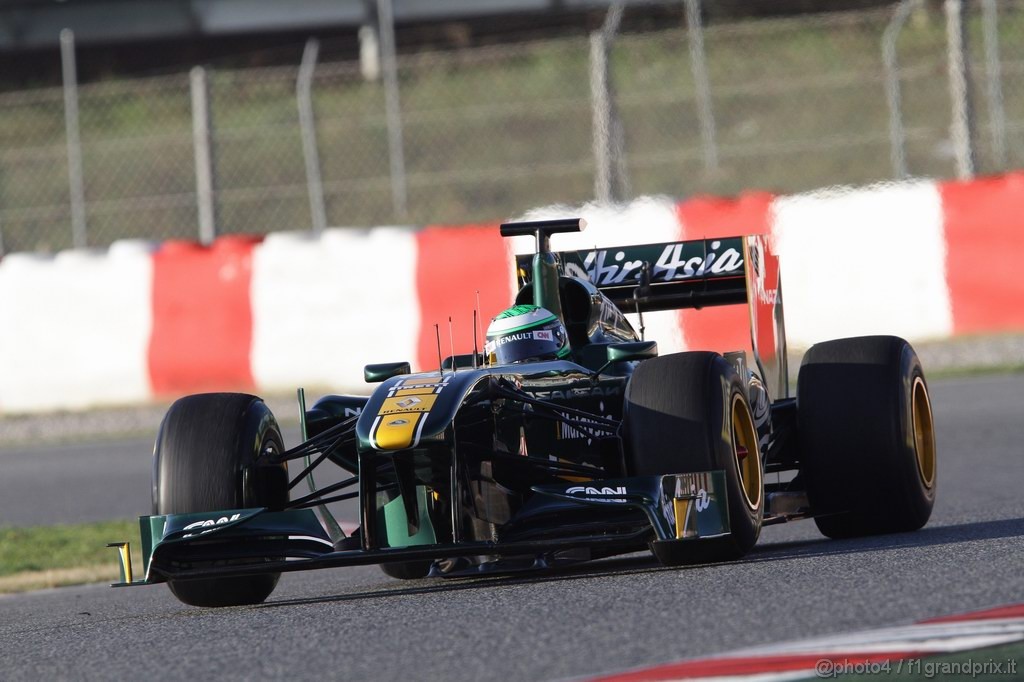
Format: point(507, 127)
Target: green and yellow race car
point(565, 437)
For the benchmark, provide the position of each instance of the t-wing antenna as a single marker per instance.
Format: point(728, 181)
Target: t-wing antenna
point(545, 267)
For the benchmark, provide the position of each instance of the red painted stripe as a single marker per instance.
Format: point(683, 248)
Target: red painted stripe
point(202, 316)
point(452, 264)
point(984, 223)
point(721, 328)
point(1010, 611)
point(753, 665)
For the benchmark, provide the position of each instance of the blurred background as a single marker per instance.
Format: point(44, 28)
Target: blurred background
point(161, 119)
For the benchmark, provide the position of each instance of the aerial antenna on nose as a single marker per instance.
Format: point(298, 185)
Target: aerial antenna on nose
point(476, 349)
point(451, 341)
point(476, 328)
point(440, 363)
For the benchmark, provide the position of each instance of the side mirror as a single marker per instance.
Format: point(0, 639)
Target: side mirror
point(635, 350)
point(628, 352)
point(374, 374)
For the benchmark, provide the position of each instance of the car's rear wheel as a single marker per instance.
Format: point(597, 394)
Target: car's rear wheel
point(205, 460)
point(689, 412)
point(867, 437)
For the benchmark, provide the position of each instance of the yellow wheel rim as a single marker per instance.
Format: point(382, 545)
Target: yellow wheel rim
point(924, 433)
point(747, 452)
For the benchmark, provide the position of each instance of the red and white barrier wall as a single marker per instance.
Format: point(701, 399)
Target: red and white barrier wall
point(75, 328)
point(923, 260)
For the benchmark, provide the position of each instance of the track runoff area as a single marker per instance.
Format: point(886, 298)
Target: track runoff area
point(979, 644)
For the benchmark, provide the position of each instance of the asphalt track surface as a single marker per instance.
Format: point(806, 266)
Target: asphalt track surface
point(358, 624)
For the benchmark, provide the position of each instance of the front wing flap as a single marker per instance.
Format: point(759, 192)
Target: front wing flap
point(679, 506)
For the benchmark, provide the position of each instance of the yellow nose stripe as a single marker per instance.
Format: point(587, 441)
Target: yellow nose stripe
point(396, 432)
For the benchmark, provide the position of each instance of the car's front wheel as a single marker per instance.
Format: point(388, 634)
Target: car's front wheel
point(205, 460)
point(689, 412)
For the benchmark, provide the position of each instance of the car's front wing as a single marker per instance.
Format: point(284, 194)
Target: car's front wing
point(678, 508)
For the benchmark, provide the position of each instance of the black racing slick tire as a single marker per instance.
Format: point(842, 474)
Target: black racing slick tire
point(205, 460)
point(688, 412)
point(867, 439)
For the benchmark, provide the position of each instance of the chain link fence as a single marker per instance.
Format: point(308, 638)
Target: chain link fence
point(489, 132)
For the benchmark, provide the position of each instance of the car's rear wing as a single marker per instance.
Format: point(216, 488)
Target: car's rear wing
point(667, 276)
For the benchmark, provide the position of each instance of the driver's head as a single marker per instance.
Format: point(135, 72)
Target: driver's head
point(524, 333)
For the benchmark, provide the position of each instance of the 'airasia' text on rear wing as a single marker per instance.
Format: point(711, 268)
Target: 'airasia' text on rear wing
point(690, 274)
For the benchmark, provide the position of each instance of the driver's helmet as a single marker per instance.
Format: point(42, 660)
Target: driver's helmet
point(524, 333)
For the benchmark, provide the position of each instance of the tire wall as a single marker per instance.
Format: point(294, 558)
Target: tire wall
point(138, 321)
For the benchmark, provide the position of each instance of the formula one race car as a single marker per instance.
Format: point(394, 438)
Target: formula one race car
point(568, 439)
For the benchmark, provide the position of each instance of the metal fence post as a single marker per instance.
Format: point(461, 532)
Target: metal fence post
point(962, 123)
point(601, 117)
point(393, 108)
point(897, 138)
point(369, 53)
point(307, 123)
point(994, 77)
point(610, 182)
point(202, 145)
point(75, 177)
point(702, 85)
